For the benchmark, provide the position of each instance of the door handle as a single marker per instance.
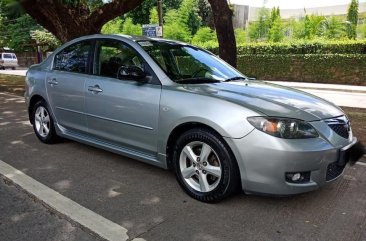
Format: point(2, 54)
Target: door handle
point(95, 89)
point(52, 81)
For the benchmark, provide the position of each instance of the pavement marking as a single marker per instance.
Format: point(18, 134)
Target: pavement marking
point(95, 223)
point(361, 163)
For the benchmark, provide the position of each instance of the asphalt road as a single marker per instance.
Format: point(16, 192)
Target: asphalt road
point(22, 218)
point(149, 203)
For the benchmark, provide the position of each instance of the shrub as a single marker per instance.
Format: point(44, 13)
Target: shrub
point(319, 68)
point(204, 35)
point(301, 47)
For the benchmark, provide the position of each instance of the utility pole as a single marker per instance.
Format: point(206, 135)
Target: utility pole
point(160, 13)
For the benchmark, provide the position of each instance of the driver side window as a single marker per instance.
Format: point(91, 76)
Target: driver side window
point(111, 55)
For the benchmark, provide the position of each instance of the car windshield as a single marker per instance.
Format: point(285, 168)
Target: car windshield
point(188, 64)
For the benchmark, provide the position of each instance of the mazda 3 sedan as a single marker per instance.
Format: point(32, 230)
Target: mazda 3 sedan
point(180, 107)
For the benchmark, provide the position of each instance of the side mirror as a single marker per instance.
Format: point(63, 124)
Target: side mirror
point(131, 73)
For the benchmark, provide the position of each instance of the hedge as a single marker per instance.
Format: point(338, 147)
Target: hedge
point(339, 47)
point(319, 68)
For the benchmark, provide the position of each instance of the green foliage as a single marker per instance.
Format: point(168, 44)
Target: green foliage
point(177, 32)
point(188, 15)
point(203, 35)
point(361, 29)
point(141, 14)
point(241, 36)
point(352, 18)
point(332, 28)
point(276, 32)
point(154, 16)
point(300, 47)
point(259, 30)
point(46, 39)
point(15, 34)
point(312, 26)
point(113, 27)
point(318, 68)
point(130, 28)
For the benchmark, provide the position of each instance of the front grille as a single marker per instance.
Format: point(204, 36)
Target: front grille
point(333, 171)
point(340, 125)
point(340, 129)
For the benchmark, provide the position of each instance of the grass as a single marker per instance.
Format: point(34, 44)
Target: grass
point(12, 84)
point(15, 84)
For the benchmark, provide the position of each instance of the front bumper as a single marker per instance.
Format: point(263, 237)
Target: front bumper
point(263, 161)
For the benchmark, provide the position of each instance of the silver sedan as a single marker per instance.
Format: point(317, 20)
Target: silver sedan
point(182, 108)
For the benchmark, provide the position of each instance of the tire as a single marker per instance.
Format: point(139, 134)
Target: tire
point(214, 174)
point(43, 124)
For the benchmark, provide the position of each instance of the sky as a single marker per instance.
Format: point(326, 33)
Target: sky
point(290, 4)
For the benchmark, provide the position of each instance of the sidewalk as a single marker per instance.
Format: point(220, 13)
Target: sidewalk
point(331, 87)
point(341, 95)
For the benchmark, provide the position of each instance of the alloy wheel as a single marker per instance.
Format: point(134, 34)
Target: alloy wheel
point(200, 166)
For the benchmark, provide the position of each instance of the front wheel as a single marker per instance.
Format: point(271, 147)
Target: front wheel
point(43, 124)
point(204, 166)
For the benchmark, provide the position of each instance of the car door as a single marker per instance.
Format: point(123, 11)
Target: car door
point(121, 111)
point(66, 86)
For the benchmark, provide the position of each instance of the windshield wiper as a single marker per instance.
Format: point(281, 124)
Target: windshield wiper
point(197, 80)
point(235, 78)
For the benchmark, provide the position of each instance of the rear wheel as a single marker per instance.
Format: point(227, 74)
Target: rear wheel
point(43, 124)
point(204, 166)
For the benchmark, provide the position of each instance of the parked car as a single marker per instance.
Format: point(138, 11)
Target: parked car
point(8, 60)
point(180, 107)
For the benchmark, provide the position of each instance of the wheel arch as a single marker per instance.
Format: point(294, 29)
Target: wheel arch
point(184, 127)
point(33, 100)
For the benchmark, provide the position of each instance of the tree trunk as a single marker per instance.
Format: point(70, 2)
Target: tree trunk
point(67, 22)
point(225, 31)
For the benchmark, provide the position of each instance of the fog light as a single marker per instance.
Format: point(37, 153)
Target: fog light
point(297, 177)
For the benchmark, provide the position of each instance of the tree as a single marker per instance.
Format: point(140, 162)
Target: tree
point(332, 28)
point(259, 30)
point(352, 18)
point(113, 27)
point(141, 14)
point(223, 19)
point(69, 19)
point(45, 39)
point(240, 36)
point(174, 28)
point(313, 25)
point(204, 35)
point(154, 16)
point(205, 12)
point(276, 33)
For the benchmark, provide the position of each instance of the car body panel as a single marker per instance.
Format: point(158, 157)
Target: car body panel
point(66, 95)
point(136, 119)
point(125, 112)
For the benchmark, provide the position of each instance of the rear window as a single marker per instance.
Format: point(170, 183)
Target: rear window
point(7, 56)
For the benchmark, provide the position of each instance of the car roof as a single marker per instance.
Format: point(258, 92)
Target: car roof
point(133, 38)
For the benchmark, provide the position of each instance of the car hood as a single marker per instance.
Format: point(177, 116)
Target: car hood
point(270, 99)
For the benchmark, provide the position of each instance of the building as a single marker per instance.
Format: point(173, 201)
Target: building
point(244, 14)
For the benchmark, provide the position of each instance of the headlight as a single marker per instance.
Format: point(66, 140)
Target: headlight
point(284, 127)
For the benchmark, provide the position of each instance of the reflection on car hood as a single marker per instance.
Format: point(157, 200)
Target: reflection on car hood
point(270, 99)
